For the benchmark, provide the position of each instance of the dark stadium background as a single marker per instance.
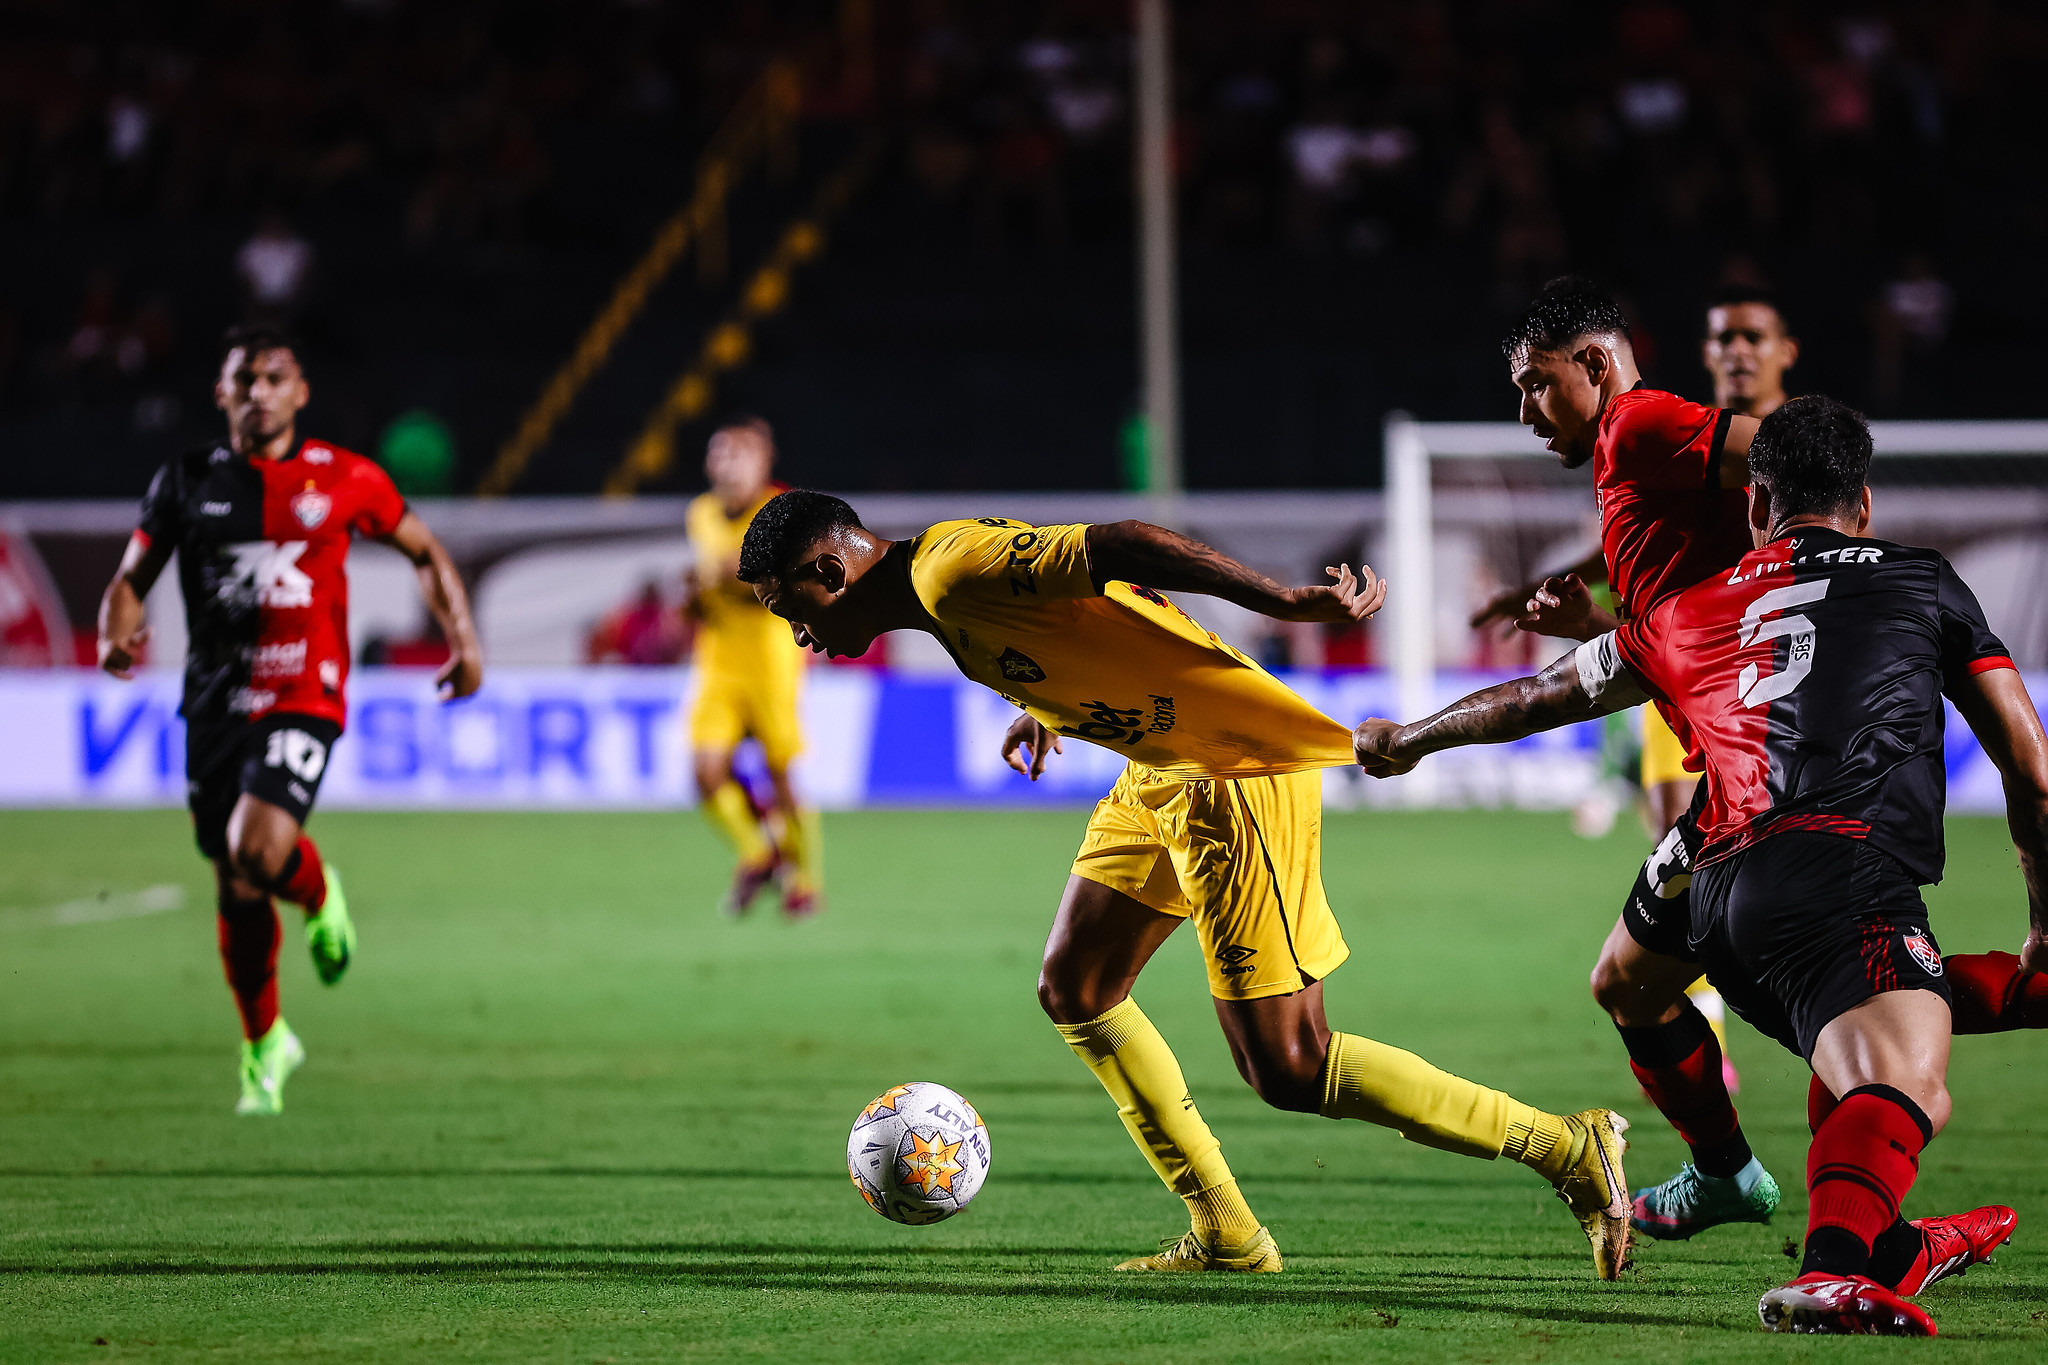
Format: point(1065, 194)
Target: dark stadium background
point(472, 178)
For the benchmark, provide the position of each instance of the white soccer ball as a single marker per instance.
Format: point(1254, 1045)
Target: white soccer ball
point(918, 1153)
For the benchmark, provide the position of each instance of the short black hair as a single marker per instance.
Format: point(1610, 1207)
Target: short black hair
point(257, 337)
point(1569, 307)
point(1811, 455)
point(789, 524)
point(1730, 295)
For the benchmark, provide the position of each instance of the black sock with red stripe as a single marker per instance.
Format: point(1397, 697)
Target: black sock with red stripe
point(1679, 1067)
point(1991, 996)
point(1863, 1160)
point(303, 881)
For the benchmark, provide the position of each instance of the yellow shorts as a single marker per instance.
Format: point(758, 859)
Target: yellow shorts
point(1243, 858)
point(729, 708)
point(1663, 755)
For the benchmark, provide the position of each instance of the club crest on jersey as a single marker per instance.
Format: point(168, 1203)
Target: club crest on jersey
point(1018, 667)
point(1923, 952)
point(312, 506)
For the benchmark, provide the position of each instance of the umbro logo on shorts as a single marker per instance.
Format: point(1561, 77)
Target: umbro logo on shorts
point(1234, 957)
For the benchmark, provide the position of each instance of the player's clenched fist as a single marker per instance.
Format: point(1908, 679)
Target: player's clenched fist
point(1027, 734)
point(1376, 743)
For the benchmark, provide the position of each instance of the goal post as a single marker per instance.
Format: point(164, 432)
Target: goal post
point(1415, 452)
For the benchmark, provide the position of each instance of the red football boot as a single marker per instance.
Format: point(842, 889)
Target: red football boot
point(1953, 1244)
point(1842, 1305)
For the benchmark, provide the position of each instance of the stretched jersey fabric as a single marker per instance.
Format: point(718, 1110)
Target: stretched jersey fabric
point(1812, 675)
point(1665, 521)
point(737, 636)
point(1123, 668)
point(262, 564)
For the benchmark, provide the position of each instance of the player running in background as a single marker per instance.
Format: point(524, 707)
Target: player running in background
point(749, 673)
point(1812, 677)
point(261, 526)
point(1217, 818)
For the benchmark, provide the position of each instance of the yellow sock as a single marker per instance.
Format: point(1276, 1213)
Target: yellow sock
point(1367, 1080)
point(1137, 1068)
point(1539, 1140)
point(732, 814)
point(803, 844)
point(1708, 1001)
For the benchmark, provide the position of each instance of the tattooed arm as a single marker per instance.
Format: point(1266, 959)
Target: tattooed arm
point(1590, 681)
point(1139, 552)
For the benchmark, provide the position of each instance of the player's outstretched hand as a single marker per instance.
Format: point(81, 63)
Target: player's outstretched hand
point(2034, 952)
point(1353, 597)
point(1373, 743)
point(1506, 607)
point(460, 676)
point(1561, 607)
point(1025, 733)
point(119, 657)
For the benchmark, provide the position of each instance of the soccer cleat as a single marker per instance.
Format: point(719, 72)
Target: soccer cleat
point(266, 1064)
point(331, 934)
point(1690, 1203)
point(1953, 1244)
point(747, 883)
point(801, 903)
point(1258, 1254)
point(1594, 1187)
point(1841, 1305)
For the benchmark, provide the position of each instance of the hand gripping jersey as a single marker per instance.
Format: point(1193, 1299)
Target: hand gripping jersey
point(738, 636)
point(1665, 521)
point(1812, 675)
point(1123, 668)
point(262, 553)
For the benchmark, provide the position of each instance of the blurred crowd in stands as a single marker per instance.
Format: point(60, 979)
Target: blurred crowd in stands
point(1525, 136)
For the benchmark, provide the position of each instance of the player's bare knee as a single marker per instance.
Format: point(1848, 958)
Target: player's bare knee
point(256, 860)
point(1287, 1076)
point(1074, 998)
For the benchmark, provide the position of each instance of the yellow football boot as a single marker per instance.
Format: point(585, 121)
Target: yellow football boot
point(1258, 1254)
point(1594, 1187)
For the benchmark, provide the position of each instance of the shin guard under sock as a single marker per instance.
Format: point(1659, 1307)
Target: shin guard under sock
point(1862, 1163)
point(1134, 1064)
point(1990, 995)
point(248, 952)
point(303, 881)
point(1363, 1079)
point(1678, 1064)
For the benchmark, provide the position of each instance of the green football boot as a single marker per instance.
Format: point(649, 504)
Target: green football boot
point(1690, 1202)
point(331, 934)
point(266, 1064)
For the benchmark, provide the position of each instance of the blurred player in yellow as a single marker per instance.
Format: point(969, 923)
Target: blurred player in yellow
point(1217, 820)
point(749, 675)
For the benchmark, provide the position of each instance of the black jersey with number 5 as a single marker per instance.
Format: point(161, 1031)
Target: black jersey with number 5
point(1811, 675)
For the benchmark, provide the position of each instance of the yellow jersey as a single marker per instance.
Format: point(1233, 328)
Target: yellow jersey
point(1125, 668)
point(735, 633)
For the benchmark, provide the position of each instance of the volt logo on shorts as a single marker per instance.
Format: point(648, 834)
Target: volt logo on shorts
point(297, 752)
point(1923, 952)
point(1236, 958)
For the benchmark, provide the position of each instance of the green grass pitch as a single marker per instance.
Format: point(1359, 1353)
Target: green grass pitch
point(561, 1112)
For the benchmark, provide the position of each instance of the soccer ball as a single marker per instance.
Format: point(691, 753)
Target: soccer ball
point(917, 1153)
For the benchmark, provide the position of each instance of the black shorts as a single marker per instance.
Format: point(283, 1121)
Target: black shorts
point(1658, 911)
point(1799, 929)
point(279, 758)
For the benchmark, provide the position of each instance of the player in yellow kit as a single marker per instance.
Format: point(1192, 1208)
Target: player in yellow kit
point(749, 673)
point(1217, 819)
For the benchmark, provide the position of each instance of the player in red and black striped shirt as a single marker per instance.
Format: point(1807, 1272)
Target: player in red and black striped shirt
point(261, 526)
point(1811, 676)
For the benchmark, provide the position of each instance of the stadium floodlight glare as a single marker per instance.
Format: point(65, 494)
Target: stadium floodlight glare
point(1412, 450)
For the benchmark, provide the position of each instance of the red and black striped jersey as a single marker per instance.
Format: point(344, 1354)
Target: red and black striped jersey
point(1811, 675)
point(262, 554)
